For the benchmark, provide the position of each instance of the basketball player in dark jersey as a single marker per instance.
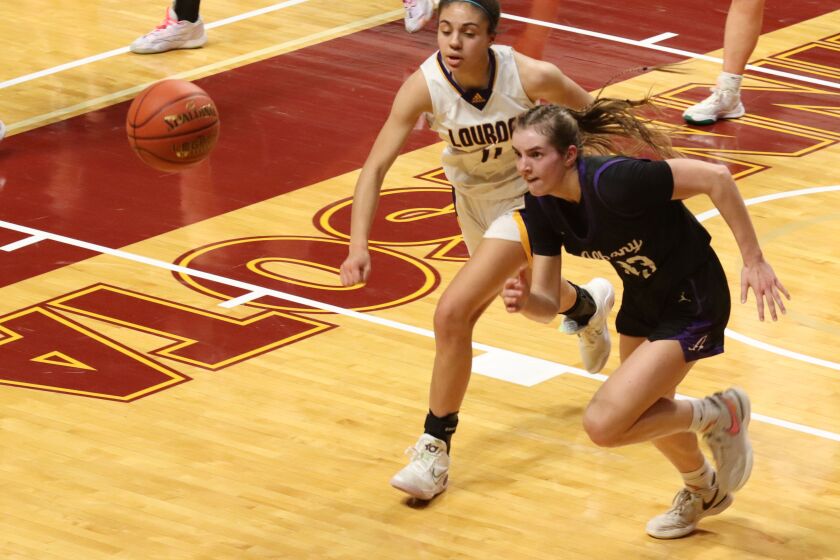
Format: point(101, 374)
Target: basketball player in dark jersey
point(629, 212)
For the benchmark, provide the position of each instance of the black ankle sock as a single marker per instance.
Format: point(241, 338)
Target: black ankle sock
point(442, 428)
point(187, 10)
point(583, 309)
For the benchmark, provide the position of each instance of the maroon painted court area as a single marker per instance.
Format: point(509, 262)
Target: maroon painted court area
point(297, 119)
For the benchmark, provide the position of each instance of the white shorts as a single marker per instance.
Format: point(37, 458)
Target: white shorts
point(492, 219)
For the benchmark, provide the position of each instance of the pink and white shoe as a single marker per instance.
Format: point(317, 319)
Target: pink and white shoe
point(170, 35)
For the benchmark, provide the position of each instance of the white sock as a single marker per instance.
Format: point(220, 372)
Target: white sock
point(701, 479)
point(704, 414)
point(730, 82)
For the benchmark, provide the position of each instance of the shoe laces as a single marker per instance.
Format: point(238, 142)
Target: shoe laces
point(590, 335)
point(719, 96)
point(684, 499)
point(167, 22)
point(420, 455)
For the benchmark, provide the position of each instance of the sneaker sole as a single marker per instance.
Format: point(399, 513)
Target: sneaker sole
point(681, 532)
point(416, 492)
point(191, 44)
point(713, 120)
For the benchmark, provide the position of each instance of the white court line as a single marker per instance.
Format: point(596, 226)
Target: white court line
point(680, 52)
point(498, 353)
point(658, 38)
point(244, 298)
point(15, 245)
point(123, 50)
point(646, 43)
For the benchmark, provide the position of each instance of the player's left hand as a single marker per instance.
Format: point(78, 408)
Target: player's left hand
point(766, 287)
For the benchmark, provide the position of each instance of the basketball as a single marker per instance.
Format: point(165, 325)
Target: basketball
point(172, 125)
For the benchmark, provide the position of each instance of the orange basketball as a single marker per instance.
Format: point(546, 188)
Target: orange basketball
point(172, 125)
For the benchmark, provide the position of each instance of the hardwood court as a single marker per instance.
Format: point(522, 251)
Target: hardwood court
point(184, 377)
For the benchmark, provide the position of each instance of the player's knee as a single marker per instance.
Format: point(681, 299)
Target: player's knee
point(602, 431)
point(452, 315)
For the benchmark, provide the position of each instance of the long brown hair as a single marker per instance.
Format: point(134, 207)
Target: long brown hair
point(598, 128)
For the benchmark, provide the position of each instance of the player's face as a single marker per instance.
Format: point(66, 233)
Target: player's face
point(462, 35)
point(538, 162)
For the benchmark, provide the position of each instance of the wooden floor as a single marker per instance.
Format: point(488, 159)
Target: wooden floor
point(182, 376)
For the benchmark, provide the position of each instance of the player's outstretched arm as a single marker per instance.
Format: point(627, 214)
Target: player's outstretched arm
point(692, 177)
point(411, 101)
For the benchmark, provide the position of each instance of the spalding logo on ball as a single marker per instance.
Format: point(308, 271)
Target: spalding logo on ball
point(172, 125)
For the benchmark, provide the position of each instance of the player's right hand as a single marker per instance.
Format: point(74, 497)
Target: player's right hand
point(516, 291)
point(356, 268)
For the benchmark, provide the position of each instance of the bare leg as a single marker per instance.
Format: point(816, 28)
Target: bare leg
point(465, 299)
point(743, 26)
point(682, 449)
point(633, 405)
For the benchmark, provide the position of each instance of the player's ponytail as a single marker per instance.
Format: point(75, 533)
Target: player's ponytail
point(604, 127)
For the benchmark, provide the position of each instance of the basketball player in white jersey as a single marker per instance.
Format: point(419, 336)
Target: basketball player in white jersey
point(473, 92)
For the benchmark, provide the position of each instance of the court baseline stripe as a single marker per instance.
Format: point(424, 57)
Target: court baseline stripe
point(254, 289)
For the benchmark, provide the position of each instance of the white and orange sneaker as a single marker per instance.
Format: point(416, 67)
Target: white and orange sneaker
point(170, 35)
point(728, 439)
point(2, 131)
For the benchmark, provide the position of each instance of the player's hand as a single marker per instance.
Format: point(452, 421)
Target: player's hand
point(766, 287)
point(356, 268)
point(516, 291)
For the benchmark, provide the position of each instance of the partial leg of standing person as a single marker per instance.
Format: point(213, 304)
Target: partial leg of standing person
point(182, 28)
point(743, 27)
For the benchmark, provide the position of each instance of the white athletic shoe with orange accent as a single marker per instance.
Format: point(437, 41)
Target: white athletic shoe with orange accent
point(170, 35)
point(594, 343)
point(2, 130)
point(427, 474)
point(417, 14)
point(728, 439)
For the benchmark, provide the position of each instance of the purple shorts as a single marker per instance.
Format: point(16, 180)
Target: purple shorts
point(695, 313)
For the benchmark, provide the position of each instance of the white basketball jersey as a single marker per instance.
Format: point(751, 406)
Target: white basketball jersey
point(476, 125)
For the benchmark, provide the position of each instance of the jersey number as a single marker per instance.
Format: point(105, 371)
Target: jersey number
point(646, 265)
point(485, 154)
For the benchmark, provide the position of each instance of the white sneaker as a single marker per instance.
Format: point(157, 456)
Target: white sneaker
point(728, 439)
point(2, 130)
point(417, 14)
point(722, 104)
point(688, 508)
point(594, 341)
point(171, 34)
point(427, 474)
